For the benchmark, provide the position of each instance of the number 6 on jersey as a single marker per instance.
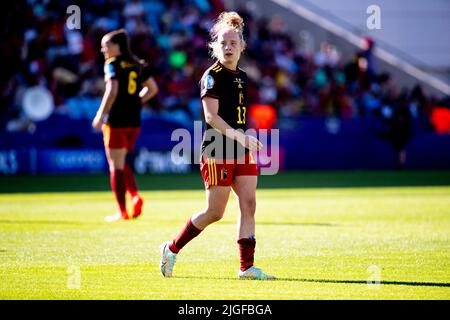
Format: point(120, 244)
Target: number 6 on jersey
point(132, 86)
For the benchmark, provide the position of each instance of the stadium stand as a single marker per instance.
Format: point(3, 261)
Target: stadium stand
point(38, 49)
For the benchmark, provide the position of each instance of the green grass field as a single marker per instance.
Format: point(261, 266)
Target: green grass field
point(323, 234)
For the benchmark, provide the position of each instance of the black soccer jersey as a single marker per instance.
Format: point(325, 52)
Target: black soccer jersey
point(126, 109)
point(230, 88)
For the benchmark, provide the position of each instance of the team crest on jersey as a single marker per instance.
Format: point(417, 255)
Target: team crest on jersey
point(209, 82)
point(239, 82)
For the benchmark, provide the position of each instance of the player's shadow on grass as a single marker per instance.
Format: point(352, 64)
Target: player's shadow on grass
point(305, 224)
point(398, 283)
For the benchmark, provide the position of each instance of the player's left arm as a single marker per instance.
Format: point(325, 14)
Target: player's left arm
point(149, 90)
point(112, 87)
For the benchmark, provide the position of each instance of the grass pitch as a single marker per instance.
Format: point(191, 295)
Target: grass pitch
point(329, 235)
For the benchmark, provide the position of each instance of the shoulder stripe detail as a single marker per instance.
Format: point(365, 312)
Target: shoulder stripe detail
point(217, 68)
point(109, 60)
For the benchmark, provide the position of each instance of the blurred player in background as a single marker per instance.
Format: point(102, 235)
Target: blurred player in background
point(224, 100)
point(129, 84)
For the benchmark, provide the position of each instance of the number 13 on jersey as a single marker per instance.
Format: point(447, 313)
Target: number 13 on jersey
point(241, 114)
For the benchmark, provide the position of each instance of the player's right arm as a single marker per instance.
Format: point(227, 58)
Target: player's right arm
point(111, 90)
point(211, 109)
point(112, 87)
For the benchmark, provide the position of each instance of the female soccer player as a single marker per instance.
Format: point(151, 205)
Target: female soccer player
point(129, 84)
point(224, 100)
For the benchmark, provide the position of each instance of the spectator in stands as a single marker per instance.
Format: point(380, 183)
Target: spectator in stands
point(401, 129)
point(42, 50)
point(367, 53)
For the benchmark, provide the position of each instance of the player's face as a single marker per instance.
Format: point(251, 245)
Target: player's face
point(109, 49)
point(230, 47)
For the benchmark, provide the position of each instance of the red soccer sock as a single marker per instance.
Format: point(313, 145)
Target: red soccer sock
point(130, 181)
point(188, 233)
point(117, 179)
point(246, 252)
